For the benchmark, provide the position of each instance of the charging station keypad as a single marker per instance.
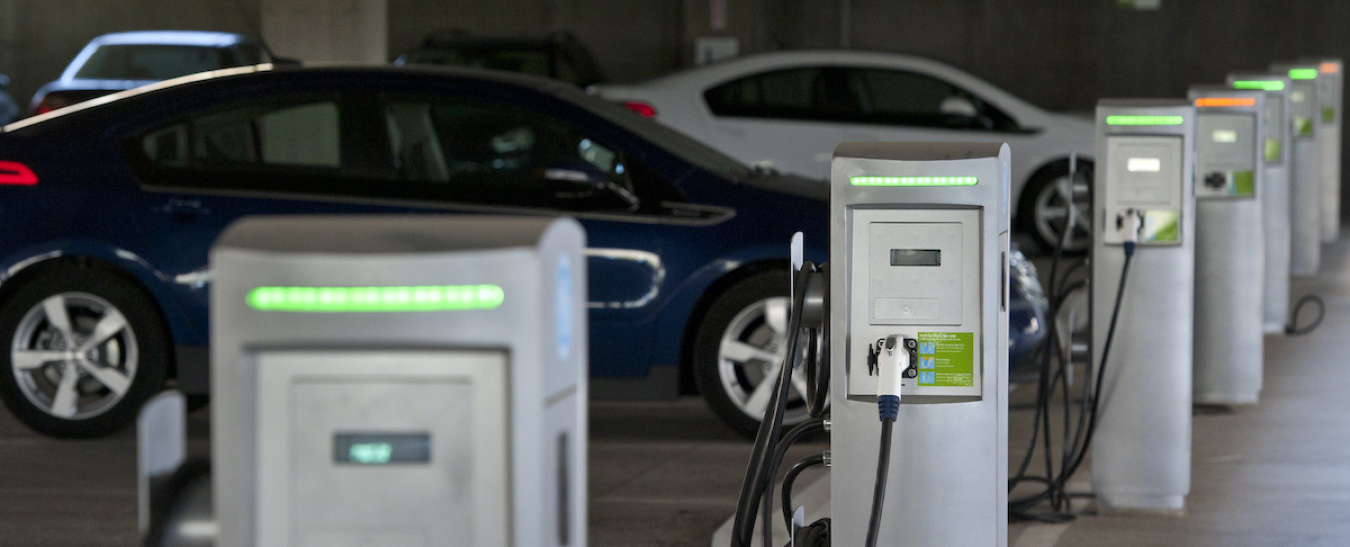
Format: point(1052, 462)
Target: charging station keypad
point(909, 283)
point(1225, 155)
point(1145, 179)
point(361, 450)
point(918, 271)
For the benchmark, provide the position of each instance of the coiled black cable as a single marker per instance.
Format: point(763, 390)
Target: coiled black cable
point(791, 478)
point(1292, 328)
point(766, 440)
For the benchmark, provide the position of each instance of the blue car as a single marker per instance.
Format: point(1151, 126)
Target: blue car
point(111, 206)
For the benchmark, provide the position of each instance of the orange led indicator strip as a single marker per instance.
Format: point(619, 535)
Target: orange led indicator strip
point(1225, 101)
point(1329, 68)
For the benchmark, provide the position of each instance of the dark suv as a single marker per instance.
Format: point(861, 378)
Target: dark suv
point(559, 56)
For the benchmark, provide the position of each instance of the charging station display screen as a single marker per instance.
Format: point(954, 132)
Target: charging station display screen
point(916, 257)
point(381, 448)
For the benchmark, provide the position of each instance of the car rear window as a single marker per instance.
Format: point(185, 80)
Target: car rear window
point(155, 62)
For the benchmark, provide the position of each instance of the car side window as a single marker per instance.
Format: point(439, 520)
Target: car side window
point(283, 135)
point(898, 97)
point(503, 155)
point(304, 135)
point(809, 93)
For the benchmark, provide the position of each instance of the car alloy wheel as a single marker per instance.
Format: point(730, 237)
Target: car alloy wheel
point(74, 356)
point(1051, 211)
point(750, 358)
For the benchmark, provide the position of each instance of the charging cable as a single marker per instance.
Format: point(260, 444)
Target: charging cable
point(1292, 327)
point(895, 360)
point(1130, 224)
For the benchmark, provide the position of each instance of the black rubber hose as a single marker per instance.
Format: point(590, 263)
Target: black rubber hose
point(879, 492)
point(1292, 329)
point(766, 440)
point(1067, 471)
point(790, 478)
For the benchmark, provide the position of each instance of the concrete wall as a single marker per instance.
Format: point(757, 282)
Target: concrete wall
point(1061, 54)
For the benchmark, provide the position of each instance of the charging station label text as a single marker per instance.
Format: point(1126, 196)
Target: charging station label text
point(946, 359)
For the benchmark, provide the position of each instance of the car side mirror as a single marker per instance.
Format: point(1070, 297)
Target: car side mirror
point(958, 106)
point(580, 185)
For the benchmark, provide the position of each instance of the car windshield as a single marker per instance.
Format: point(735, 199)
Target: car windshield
point(672, 141)
point(157, 61)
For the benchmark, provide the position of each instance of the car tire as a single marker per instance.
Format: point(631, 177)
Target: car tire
point(741, 342)
point(121, 356)
point(1043, 209)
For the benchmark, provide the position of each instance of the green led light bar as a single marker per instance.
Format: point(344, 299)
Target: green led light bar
point(1264, 85)
point(915, 181)
point(376, 299)
point(1302, 74)
point(1144, 120)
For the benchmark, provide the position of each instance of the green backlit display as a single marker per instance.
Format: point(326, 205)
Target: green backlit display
point(915, 181)
point(1302, 74)
point(376, 299)
point(370, 453)
point(1264, 85)
point(1144, 120)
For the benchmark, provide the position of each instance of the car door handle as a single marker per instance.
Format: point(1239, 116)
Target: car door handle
point(180, 207)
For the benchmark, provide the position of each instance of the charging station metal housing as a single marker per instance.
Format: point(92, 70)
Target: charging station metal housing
point(1330, 94)
point(1141, 451)
point(408, 381)
point(1274, 194)
point(1306, 184)
point(919, 236)
point(1229, 248)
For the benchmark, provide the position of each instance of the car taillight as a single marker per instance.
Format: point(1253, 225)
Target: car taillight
point(13, 173)
point(52, 102)
point(644, 109)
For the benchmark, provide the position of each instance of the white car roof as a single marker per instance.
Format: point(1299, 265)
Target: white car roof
point(710, 75)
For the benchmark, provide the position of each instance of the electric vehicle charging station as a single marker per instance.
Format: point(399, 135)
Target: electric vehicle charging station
point(1330, 91)
point(1274, 193)
point(399, 381)
point(1306, 184)
point(919, 237)
point(1144, 199)
point(1229, 244)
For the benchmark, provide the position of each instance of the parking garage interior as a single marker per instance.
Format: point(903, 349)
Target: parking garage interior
point(690, 294)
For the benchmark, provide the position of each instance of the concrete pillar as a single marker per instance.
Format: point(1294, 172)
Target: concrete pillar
point(353, 31)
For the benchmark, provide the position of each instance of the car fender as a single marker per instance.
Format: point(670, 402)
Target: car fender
point(155, 282)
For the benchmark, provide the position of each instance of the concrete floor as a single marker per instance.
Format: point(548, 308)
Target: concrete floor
point(667, 474)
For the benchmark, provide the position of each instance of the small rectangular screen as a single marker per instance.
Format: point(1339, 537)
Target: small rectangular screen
point(916, 257)
point(1144, 165)
point(1224, 136)
point(381, 448)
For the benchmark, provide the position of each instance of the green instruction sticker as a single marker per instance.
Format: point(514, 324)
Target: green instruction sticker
point(1272, 150)
point(1328, 114)
point(1161, 226)
point(1303, 127)
point(1244, 183)
point(947, 359)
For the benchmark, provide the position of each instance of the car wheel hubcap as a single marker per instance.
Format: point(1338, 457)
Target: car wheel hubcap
point(1052, 211)
point(750, 358)
point(74, 355)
